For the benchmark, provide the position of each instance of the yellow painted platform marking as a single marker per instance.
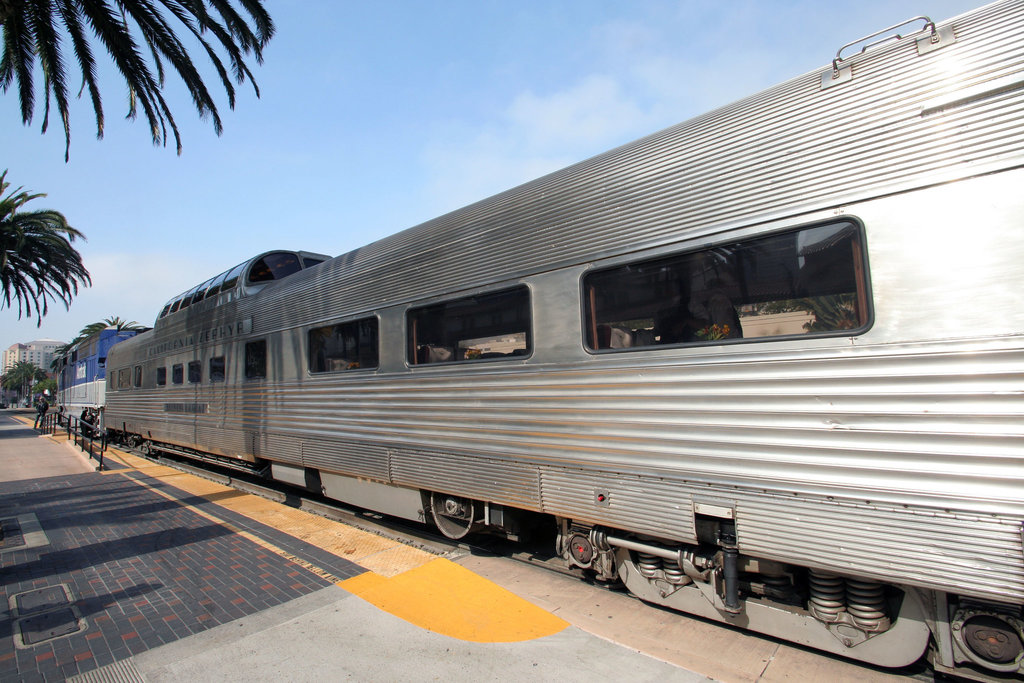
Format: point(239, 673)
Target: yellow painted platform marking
point(412, 584)
point(443, 597)
point(370, 551)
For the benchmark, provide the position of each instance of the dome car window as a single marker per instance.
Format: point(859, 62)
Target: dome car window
point(275, 266)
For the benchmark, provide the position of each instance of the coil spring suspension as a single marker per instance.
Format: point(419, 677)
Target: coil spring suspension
point(865, 602)
point(828, 596)
point(648, 564)
point(835, 598)
point(780, 583)
point(673, 573)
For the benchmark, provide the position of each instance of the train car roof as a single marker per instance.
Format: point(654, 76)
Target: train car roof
point(246, 277)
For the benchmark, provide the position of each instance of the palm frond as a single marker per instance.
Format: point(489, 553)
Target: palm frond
point(33, 29)
point(37, 261)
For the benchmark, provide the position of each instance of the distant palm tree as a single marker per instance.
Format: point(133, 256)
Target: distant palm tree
point(21, 376)
point(114, 322)
point(37, 261)
point(57, 362)
point(38, 28)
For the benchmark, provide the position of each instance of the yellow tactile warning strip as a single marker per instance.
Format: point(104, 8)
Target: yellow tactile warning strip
point(414, 585)
point(443, 597)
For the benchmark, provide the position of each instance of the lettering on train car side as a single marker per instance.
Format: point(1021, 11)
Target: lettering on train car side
point(186, 408)
point(212, 334)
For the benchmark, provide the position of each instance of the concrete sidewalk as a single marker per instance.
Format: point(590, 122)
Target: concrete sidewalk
point(32, 456)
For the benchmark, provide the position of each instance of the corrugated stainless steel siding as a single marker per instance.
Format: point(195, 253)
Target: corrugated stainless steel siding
point(653, 435)
point(358, 459)
point(494, 479)
point(978, 555)
point(645, 504)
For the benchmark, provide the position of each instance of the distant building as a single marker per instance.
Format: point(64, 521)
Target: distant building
point(38, 352)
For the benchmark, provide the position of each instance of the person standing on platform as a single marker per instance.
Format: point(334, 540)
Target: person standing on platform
point(41, 407)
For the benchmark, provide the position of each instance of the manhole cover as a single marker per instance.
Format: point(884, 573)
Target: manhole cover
point(41, 599)
point(48, 625)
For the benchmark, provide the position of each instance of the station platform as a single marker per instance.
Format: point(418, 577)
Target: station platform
point(141, 572)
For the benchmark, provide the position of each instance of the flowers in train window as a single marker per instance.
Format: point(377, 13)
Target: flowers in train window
point(711, 332)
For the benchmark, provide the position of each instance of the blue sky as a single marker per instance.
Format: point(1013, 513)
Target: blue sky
point(374, 117)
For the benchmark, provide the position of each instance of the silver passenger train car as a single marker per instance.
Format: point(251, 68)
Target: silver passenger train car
point(765, 366)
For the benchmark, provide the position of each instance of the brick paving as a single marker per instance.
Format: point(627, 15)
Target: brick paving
point(139, 570)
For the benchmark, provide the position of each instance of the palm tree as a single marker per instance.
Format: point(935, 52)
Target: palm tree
point(39, 28)
point(22, 376)
point(37, 261)
point(114, 322)
point(58, 356)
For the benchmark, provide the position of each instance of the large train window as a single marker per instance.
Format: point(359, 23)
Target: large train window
point(195, 372)
point(256, 359)
point(178, 373)
point(803, 282)
point(345, 346)
point(161, 377)
point(124, 379)
point(275, 266)
point(217, 369)
point(485, 326)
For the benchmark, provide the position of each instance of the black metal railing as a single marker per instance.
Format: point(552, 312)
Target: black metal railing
point(91, 440)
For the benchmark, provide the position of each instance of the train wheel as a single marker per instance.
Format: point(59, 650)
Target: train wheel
point(455, 517)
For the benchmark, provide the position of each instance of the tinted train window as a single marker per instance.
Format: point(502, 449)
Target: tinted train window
point(138, 376)
point(200, 292)
point(256, 359)
point(274, 266)
point(195, 372)
point(217, 369)
point(232, 277)
point(215, 287)
point(804, 282)
point(186, 300)
point(345, 346)
point(178, 373)
point(161, 377)
point(493, 325)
